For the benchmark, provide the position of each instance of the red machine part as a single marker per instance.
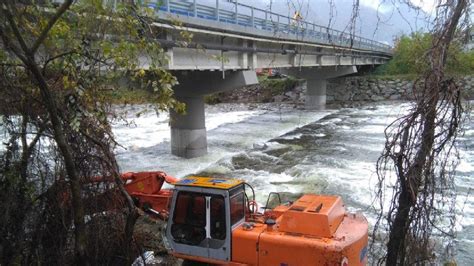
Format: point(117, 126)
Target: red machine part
point(146, 189)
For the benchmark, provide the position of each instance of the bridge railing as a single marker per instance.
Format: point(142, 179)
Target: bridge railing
point(245, 15)
point(249, 16)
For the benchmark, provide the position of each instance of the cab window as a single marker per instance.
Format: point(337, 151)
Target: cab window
point(189, 219)
point(218, 228)
point(236, 208)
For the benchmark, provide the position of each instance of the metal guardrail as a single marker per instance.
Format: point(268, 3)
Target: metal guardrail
point(261, 19)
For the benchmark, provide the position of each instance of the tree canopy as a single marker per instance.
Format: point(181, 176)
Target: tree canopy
point(410, 56)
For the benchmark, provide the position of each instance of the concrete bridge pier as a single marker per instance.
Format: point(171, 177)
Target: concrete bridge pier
point(188, 131)
point(316, 82)
point(315, 94)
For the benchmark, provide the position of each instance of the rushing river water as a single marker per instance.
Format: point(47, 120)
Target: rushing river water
point(289, 150)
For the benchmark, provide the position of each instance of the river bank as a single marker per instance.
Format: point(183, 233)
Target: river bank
point(351, 91)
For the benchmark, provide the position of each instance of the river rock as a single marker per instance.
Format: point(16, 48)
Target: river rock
point(395, 97)
point(341, 90)
point(260, 146)
point(377, 98)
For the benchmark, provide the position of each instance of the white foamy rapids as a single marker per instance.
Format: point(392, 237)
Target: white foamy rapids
point(469, 133)
point(150, 128)
point(466, 161)
point(372, 129)
point(228, 133)
point(295, 136)
point(464, 211)
point(144, 131)
point(2, 145)
point(265, 182)
point(44, 142)
point(214, 120)
point(465, 166)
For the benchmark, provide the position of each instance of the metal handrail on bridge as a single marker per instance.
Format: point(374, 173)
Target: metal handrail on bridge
point(249, 16)
point(261, 19)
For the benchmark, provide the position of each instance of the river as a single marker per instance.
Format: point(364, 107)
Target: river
point(283, 149)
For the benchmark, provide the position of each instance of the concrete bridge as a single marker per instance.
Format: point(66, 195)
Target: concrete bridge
point(230, 40)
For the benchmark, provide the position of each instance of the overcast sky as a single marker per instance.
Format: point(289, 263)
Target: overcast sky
point(378, 19)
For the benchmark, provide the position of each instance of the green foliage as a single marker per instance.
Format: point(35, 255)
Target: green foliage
point(462, 63)
point(90, 37)
point(278, 85)
point(128, 96)
point(55, 118)
point(411, 57)
point(212, 98)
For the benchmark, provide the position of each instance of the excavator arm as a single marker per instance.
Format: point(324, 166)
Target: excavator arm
point(146, 190)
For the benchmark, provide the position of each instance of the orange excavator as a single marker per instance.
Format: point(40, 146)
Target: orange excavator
point(217, 221)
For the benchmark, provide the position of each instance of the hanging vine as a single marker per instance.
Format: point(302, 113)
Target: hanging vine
point(420, 156)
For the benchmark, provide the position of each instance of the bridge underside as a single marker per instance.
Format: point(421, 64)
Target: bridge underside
point(217, 60)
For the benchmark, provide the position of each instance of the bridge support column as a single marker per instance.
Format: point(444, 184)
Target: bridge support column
point(316, 79)
point(315, 94)
point(188, 131)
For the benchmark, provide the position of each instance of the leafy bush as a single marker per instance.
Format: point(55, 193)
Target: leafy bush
point(278, 85)
point(410, 57)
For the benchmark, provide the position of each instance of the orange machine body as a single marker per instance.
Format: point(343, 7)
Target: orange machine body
point(314, 230)
point(146, 189)
point(304, 236)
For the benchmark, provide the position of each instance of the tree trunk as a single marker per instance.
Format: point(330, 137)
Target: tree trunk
point(27, 56)
point(411, 184)
point(399, 230)
point(59, 137)
point(427, 101)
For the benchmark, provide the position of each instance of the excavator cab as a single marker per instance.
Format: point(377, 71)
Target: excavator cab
point(213, 221)
point(203, 213)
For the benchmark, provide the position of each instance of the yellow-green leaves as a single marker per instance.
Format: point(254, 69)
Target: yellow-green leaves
point(67, 83)
point(96, 48)
point(411, 56)
point(60, 30)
